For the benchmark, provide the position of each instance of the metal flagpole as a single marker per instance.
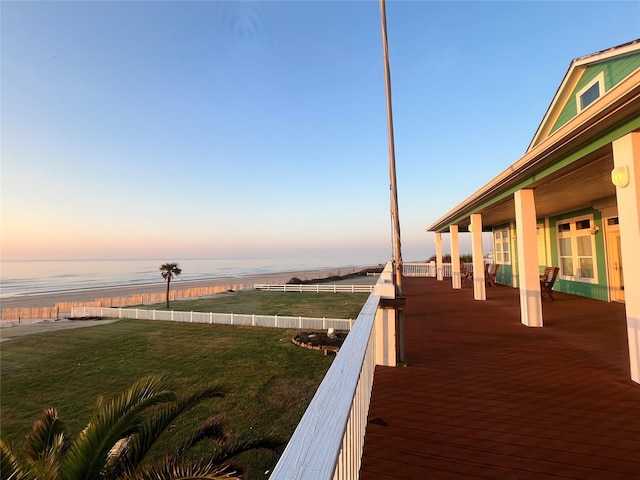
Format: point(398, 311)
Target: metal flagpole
point(397, 252)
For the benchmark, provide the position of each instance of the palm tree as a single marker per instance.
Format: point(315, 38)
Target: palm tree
point(119, 435)
point(169, 270)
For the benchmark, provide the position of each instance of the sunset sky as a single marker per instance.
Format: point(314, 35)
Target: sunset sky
point(211, 129)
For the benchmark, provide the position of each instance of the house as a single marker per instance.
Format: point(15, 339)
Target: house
point(571, 201)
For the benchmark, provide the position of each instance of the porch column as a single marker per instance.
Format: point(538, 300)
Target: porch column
point(438, 256)
point(385, 329)
point(479, 286)
point(626, 178)
point(455, 257)
point(527, 244)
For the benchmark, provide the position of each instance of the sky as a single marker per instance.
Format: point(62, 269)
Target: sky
point(213, 129)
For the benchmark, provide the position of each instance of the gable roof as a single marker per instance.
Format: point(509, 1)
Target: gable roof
point(582, 139)
point(565, 92)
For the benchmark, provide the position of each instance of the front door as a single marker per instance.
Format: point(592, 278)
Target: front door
point(614, 259)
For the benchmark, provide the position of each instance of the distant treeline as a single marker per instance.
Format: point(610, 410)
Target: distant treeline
point(466, 258)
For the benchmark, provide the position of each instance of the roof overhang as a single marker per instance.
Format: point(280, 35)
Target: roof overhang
point(584, 140)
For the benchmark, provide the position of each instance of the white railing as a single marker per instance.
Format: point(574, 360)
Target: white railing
point(425, 269)
point(275, 321)
point(328, 442)
point(316, 288)
point(415, 269)
point(446, 270)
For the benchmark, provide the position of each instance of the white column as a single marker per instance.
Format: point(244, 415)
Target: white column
point(385, 331)
point(527, 243)
point(626, 160)
point(479, 287)
point(438, 256)
point(455, 257)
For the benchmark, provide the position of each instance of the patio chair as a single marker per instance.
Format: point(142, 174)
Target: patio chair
point(547, 279)
point(490, 272)
point(465, 272)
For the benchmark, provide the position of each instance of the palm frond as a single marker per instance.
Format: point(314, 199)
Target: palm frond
point(209, 429)
point(185, 471)
point(110, 422)
point(140, 442)
point(224, 454)
point(48, 465)
point(10, 468)
point(170, 270)
point(45, 431)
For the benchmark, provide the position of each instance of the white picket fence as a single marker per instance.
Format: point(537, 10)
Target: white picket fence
point(316, 288)
point(274, 321)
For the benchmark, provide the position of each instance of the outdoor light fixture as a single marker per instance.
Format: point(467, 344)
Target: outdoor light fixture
point(595, 229)
point(620, 176)
point(470, 228)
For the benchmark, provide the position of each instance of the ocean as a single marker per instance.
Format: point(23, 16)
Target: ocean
point(25, 277)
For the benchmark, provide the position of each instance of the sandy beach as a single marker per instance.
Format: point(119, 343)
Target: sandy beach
point(12, 329)
point(49, 299)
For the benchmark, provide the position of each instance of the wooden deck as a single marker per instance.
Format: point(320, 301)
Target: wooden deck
point(484, 397)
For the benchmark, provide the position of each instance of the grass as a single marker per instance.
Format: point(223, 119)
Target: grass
point(270, 381)
point(330, 305)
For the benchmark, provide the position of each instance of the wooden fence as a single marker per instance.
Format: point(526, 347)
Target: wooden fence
point(64, 308)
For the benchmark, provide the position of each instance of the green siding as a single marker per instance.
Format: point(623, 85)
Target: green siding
point(615, 70)
point(598, 291)
point(505, 275)
point(505, 272)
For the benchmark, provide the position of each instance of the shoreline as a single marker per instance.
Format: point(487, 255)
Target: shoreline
point(49, 299)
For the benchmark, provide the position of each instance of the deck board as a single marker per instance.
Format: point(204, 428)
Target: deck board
point(484, 397)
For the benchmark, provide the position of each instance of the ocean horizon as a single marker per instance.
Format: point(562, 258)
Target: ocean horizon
point(28, 277)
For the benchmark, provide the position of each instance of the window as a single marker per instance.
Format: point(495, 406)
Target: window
point(576, 247)
point(590, 93)
point(501, 246)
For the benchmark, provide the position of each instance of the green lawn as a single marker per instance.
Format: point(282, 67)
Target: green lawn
point(330, 305)
point(270, 381)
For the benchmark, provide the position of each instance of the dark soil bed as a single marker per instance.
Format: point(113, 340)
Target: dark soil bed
point(320, 340)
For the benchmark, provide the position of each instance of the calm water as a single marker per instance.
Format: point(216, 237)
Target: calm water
point(42, 276)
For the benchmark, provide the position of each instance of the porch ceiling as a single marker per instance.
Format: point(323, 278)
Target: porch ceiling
point(574, 188)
